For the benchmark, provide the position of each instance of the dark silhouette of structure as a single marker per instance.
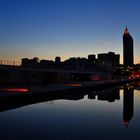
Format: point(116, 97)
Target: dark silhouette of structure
point(110, 95)
point(128, 58)
point(106, 62)
point(57, 60)
point(128, 105)
point(109, 58)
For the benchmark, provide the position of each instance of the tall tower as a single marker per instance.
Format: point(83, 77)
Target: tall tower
point(128, 58)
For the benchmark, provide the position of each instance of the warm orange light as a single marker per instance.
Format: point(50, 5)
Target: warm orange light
point(73, 85)
point(14, 89)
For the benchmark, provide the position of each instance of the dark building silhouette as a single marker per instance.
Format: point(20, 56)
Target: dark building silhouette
point(108, 61)
point(30, 62)
point(91, 59)
point(74, 63)
point(57, 60)
point(128, 105)
point(128, 58)
point(109, 57)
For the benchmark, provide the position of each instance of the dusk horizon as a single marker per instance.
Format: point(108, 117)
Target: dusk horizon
point(46, 29)
point(69, 69)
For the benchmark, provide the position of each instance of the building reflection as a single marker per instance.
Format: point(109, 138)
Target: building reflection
point(91, 96)
point(19, 101)
point(128, 105)
point(109, 95)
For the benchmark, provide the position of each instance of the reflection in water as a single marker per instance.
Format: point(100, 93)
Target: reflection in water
point(109, 95)
point(128, 105)
point(94, 114)
point(14, 90)
point(73, 85)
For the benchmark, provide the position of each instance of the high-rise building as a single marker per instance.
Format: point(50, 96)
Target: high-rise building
point(128, 58)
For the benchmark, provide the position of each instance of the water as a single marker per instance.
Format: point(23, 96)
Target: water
point(106, 114)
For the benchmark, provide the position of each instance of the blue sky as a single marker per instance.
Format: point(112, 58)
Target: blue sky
point(66, 28)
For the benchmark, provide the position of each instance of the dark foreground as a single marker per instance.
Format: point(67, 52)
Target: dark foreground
point(99, 113)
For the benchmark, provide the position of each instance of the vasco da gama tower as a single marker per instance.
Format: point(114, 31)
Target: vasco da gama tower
point(128, 56)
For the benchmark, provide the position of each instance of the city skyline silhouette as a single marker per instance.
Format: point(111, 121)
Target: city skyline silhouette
point(46, 29)
point(69, 69)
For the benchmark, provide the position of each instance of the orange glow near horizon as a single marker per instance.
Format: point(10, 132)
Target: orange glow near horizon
point(14, 89)
point(64, 57)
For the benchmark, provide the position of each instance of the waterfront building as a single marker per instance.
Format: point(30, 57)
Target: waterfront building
point(128, 56)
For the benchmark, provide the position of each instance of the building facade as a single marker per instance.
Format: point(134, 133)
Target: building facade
point(128, 56)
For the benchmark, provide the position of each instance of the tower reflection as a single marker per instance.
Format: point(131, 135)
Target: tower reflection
point(128, 105)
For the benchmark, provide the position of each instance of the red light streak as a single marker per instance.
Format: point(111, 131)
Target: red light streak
point(73, 85)
point(14, 89)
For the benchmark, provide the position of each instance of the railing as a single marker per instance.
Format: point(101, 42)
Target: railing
point(10, 63)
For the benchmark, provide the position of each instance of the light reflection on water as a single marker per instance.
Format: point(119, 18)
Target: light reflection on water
point(95, 115)
point(14, 89)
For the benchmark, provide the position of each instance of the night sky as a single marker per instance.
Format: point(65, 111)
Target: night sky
point(66, 28)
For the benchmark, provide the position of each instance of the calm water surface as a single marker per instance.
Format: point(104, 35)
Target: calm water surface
point(106, 114)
